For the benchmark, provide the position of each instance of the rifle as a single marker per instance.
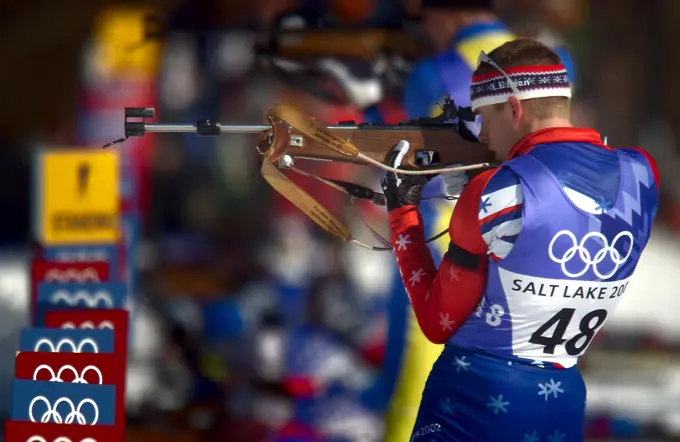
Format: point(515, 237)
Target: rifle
point(436, 144)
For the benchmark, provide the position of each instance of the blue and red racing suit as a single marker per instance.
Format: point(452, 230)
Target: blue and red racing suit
point(408, 354)
point(540, 252)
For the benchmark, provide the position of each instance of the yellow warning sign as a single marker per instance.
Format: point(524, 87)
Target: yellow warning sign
point(120, 41)
point(79, 197)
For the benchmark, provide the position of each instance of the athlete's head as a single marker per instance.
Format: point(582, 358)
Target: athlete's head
point(519, 88)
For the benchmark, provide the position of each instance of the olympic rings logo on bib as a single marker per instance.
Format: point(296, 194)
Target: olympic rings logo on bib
point(59, 439)
point(79, 378)
point(63, 343)
point(52, 415)
point(588, 260)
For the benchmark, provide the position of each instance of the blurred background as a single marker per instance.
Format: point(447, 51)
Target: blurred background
point(248, 316)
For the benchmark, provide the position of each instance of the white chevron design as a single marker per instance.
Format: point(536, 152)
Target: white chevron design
point(633, 203)
point(642, 174)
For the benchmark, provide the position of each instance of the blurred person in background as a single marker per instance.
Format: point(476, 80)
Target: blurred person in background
point(541, 251)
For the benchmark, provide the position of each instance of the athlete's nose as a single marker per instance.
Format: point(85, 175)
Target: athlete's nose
point(483, 136)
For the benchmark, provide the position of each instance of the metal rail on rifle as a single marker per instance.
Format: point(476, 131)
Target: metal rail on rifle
point(133, 127)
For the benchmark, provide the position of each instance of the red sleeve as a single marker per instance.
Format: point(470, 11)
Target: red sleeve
point(652, 164)
point(443, 298)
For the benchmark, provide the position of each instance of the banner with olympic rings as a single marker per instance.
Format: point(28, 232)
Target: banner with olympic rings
point(67, 296)
point(66, 340)
point(63, 403)
point(79, 368)
point(83, 295)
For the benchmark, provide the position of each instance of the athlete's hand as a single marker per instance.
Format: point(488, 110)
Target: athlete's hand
point(455, 182)
point(402, 190)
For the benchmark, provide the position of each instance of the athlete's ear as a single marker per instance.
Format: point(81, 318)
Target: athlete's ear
point(517, 110)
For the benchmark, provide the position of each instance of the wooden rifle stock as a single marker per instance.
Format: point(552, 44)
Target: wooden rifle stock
point(443, 145)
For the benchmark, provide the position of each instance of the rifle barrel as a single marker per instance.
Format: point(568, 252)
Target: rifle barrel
point(223, 128)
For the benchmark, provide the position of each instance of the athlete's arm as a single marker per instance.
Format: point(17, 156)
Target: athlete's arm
point(441, 298)
point(484, 225)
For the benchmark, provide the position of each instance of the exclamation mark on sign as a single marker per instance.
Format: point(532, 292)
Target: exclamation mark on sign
point(83, 178)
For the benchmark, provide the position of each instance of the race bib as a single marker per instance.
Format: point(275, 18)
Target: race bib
point(557, 319)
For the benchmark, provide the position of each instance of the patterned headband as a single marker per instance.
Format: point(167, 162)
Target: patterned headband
point(523, 82)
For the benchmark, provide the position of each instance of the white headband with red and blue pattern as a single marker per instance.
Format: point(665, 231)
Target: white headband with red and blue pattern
point(523, 82)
